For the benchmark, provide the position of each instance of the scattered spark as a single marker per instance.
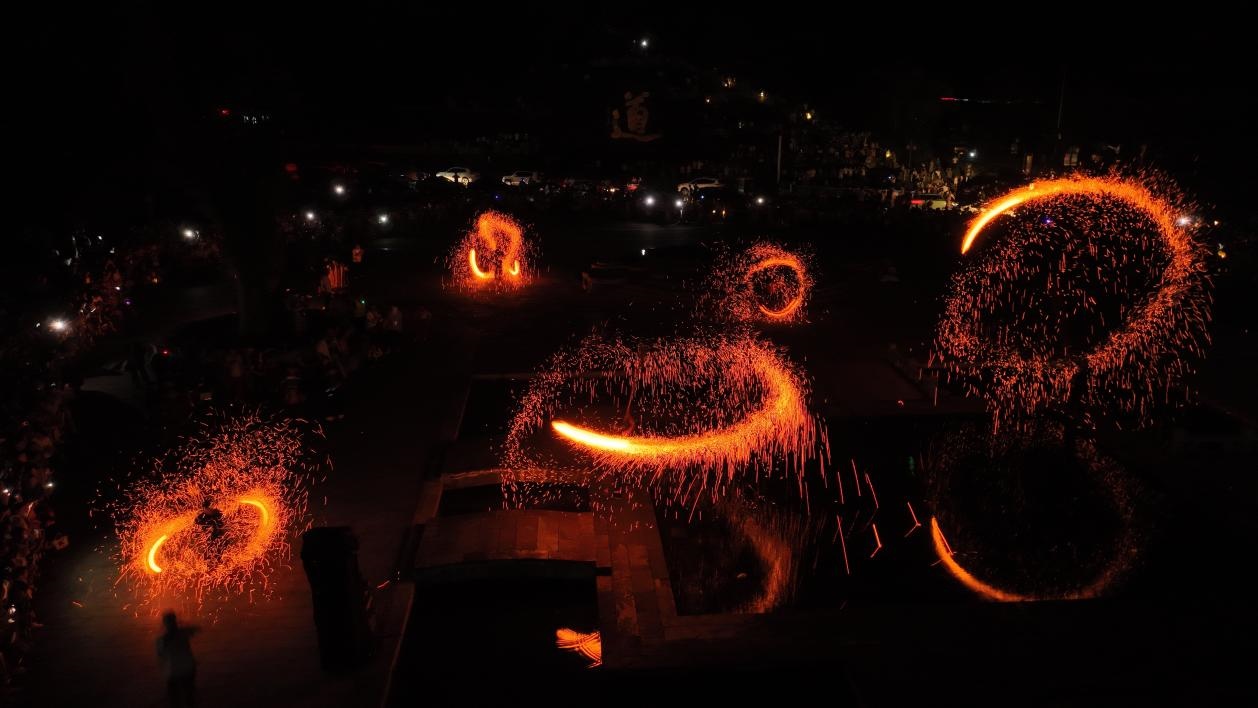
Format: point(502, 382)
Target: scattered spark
point(686, 416)
point(765, 283)
point(493, 255)
point(1103, 311)
point(216, 514)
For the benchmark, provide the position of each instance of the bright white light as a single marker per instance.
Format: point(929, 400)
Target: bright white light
point(58, 325)
point(189, 233)
point(1183, 220)
point(383, 218)
point(644, 251)
point(650, 201)
point(973, 153)
point(678, 203)
point(760, 200)
point(644, 43)
point(339, 189)
point(808, 115)
point(310, 216)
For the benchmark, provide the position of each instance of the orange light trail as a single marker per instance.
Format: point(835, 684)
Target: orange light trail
point(1125, 548)
point(986, 591)
point(492, 254)
point(741, 282)
point(698, 414)
point(152, 562)
point(1063, 313)
point(588, 645)
point(215, 517)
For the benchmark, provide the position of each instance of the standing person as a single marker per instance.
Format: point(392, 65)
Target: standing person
point(174, 653)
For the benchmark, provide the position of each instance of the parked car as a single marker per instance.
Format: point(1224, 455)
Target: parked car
point(459, 175)
point(928, 201)
point(520, 177)
point(699, 183)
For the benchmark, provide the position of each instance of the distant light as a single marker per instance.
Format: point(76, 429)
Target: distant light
point(117, 287)
point(678, 203)
point(310, 216)
point(1183, 220)
point(807, 115)
point(707, 99)
point(1222, 253)
point(762, 96)
point(58, 325)
point(339, 189)
point(224, 112)
point(48, 485)
point(383, 218)
point(973, 154)
point(760, 200)
point(189, 233)
point(649, 201)
point(644, 43)
point(644, 251)
point(1216, 222)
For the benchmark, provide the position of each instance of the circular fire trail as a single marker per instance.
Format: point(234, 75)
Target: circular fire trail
point(1028, 503)
point(679, 417)
point(765, 283)
point(493, 255)
point(1093, 298)
point(215, 515)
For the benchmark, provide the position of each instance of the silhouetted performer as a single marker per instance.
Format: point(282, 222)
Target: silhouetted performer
point(174, 653)
point(210, 519)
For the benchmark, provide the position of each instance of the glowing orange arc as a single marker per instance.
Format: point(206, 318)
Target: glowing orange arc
point(967, 579)
point(152, 555)
point(476, 271)
point(782, 262)
point(266, 515)
point(782, 409)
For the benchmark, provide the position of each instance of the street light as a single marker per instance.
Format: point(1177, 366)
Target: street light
point(644, 43)
point(678, 203)
point(58, 325)
point(189, 234)
point(760, 200)
point(339, 189)
point(649, 201)
point(383, 218)
point(310, 216)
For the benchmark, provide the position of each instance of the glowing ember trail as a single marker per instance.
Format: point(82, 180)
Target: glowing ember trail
point(588, 645)
point(216, 514)
point(765, 283)
point(1107, 564)
point(1095, 301)
point(687, 416)
point(493, 255)
point(986, 591)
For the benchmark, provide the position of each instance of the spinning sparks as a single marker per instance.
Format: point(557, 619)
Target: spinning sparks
point(765, 283)
point(493, 255)
point(588, 645)
point(1094, 300)
point(684, 416)
point(216, 515)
